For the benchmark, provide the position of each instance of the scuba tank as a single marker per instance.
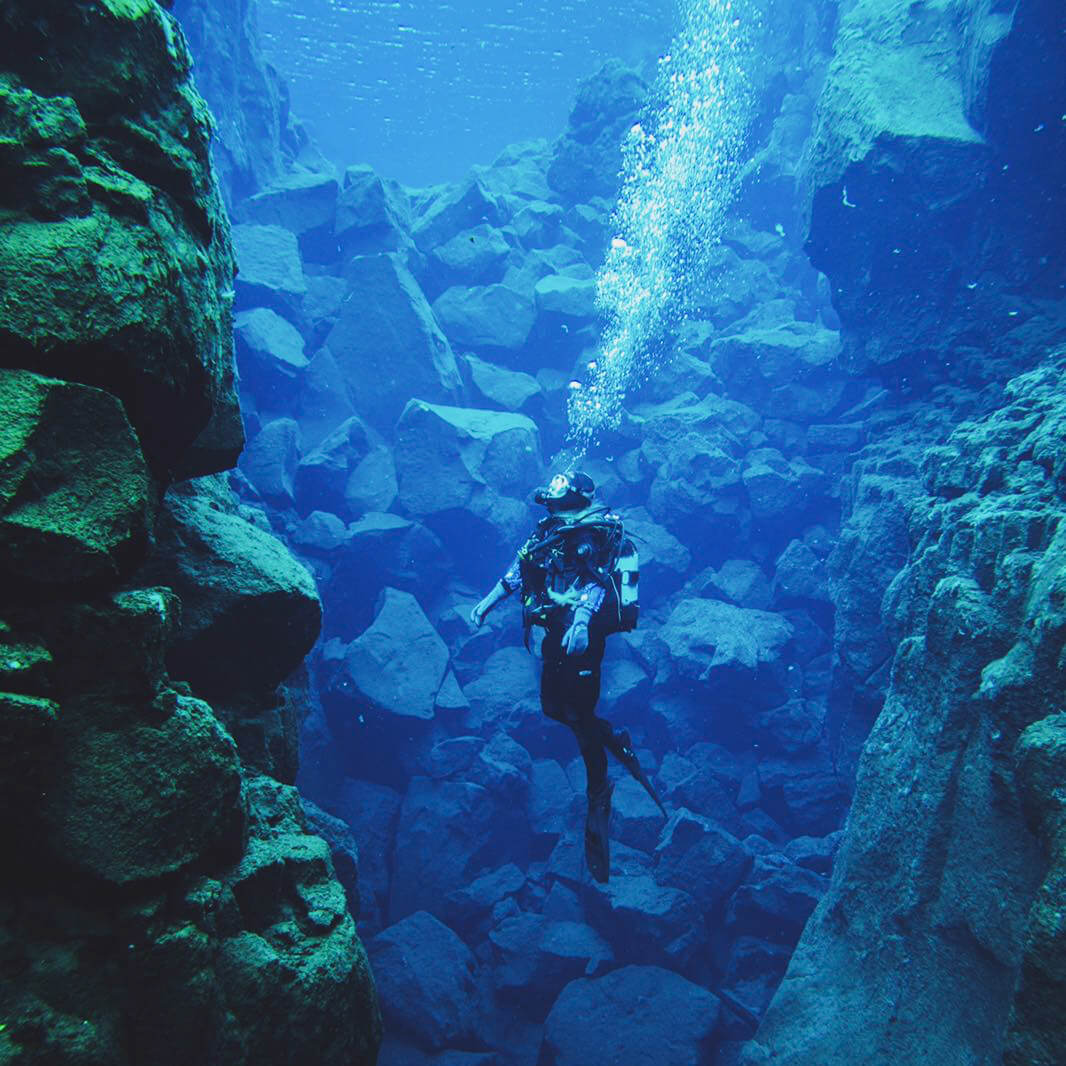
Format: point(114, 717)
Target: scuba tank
point(626, 578)
point(594, 548)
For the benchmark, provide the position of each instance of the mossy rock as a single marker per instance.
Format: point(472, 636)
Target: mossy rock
point(116, 254)
point(75, 493)
point(250, 611)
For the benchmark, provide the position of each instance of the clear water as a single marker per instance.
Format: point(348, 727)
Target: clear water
point(422, 90)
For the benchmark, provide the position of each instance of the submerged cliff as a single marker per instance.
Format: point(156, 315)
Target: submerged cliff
point(935, 207)
point(163, 899)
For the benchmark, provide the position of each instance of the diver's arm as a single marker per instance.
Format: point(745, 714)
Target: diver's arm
point(576, 638)
point(500, 591)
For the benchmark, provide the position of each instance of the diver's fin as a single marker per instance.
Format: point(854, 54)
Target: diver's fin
point(597, 842)
point(621, 747)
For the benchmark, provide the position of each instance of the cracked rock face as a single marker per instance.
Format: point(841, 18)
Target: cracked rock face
point(936, 894)
point(115, 250)
point(166, 901)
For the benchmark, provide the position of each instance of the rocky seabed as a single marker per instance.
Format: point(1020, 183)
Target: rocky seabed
point(223, 578)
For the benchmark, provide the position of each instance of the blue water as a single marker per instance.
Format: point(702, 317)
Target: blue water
point(423, 90)
point(675, 292)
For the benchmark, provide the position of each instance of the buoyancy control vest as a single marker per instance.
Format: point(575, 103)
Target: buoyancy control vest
point(567, 550)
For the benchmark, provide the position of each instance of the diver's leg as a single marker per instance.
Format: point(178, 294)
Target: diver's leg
point(585, 690)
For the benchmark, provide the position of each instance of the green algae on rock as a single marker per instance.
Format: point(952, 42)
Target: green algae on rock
point(76, 499)
point(1037, 1032)
point(250, 611)
point(932, 897)
point(115, 249)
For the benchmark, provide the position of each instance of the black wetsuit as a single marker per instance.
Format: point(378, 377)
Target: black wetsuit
point(570, 684)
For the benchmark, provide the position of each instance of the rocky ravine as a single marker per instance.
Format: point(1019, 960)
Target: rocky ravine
point(937, 215)
point(163, 900)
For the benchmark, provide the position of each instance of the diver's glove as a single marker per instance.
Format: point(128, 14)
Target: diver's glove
point(482, 608)
point(576, 638)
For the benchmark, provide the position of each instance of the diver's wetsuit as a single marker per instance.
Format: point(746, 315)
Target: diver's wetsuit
point(569, 692)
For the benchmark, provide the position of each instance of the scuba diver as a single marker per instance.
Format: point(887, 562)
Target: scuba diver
point(577, 573)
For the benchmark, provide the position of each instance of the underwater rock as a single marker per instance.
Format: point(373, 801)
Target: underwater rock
point(694, 446)
point(594, 1023)
point(75, 494)
point(775, 901)
point(492, 319)
point(737, 652)
point(465, 470)
point(742, 581)
point(321, 480)
point(778, 487)
point(270, 356)
point(252, 145)
point(381, 550)
point(699, 857)
point(371, 214)
point(569, 300)
point(270, 461)
point(304, 204)
point(138, 780)
point(371, 811)
point(397, 666)
point(937, 835)
point(318, 979)
point(250, 612)
point(108, 178)
point(470, 908)
point(427, 981)
point(789, 368)
point(476, 256)
point(1037, 1031)
point(587, 159)
point(510, 389)
point(269, 270)
point(452, 210)
point(921, 135)
point(372, 485)
point(537, 224)
point(534, 957)
point(448, 832)
point(645, 921)
point(387, 344)
point(799, 575)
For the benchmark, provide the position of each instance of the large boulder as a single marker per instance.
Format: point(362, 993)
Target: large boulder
point(635, 1014)
point(397, 666)
point(371, 214)
point(387, 344)
point(75, 494)
point(535, 957)
point(116, 257)
point(379, 550)
point(463, 471)
point(474, 257)
point(270, 270)
point(737, 653)
point(493, 319)
point(305, 204)
point(587, 159)
point(452, 210)
point(270, 356)
point(250, 612)
point(270, 461)
point(427, 981)
point(920, 135)
point(938, 838)
point(448, 833)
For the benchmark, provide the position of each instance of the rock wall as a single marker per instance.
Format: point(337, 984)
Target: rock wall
point(164, 900)
point(929, 190)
